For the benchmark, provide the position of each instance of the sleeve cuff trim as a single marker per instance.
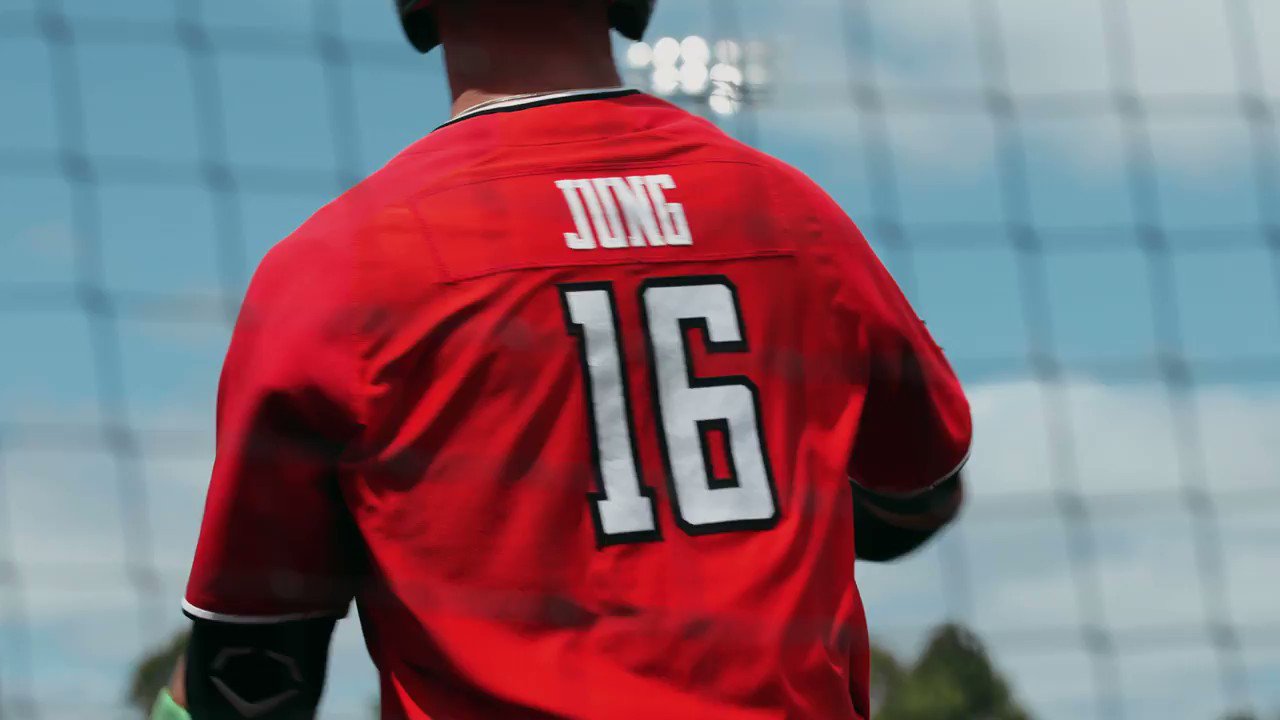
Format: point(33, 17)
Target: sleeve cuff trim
point(196, 613)
point(915, 493)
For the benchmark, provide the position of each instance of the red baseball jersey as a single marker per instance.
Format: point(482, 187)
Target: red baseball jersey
point(567, 397)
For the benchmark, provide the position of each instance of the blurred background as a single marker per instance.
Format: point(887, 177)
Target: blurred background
point(1081, 198)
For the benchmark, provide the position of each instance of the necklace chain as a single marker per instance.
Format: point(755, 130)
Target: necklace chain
point(502, 99)
point(522, 96)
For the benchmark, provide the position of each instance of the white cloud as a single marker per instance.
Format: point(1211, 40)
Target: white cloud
point(1124, 437)
point(926, 47)
point(1018, 555)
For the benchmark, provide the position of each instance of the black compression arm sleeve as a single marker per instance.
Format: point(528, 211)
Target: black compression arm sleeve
point(266, 672)
point(879, 541)
point(887, 528)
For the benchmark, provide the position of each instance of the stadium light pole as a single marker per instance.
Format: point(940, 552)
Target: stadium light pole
point(721, 78)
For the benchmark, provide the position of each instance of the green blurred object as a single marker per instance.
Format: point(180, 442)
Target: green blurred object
point(886, 675)
point(952, 680)
point(153, 672)
point(166, 709)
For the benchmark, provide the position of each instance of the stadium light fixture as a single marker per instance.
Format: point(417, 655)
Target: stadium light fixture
point(722, 77)
point(639, 55)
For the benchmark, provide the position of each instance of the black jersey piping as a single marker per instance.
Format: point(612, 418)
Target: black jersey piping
point(536, 103)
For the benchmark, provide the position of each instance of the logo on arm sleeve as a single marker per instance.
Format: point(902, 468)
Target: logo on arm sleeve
point(616, 212)
point(270, 679)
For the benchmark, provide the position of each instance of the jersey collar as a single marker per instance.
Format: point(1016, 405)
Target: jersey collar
point(541, 99)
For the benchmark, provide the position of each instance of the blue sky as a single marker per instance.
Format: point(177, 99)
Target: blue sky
point(293, 129)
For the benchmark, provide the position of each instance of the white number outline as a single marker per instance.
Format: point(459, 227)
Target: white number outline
point(740, 345)
point(686, 324)
point(579, 332)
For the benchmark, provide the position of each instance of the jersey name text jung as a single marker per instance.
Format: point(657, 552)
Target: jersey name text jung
point(616, 212)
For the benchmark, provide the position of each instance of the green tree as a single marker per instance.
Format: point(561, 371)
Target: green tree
point(886, 675)
point(953, 680)
point(153, 671)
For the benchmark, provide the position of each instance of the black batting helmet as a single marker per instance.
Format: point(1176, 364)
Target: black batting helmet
point(629, 17)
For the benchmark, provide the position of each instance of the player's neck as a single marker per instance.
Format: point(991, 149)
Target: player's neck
point(494, 55)
point(536, 75)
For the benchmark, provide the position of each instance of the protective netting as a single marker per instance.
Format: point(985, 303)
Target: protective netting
point(1101, 260)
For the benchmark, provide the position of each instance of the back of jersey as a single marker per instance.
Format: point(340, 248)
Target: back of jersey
point(614, 390)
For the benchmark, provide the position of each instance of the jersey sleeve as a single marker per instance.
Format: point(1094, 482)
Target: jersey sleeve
point(277, 542)
point(915, 429)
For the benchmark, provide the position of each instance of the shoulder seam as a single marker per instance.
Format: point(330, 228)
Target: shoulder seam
point(656, 164)
point(763, 254)
point(428, 241)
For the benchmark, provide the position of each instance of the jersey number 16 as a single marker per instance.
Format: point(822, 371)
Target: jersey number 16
point(691, 411)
